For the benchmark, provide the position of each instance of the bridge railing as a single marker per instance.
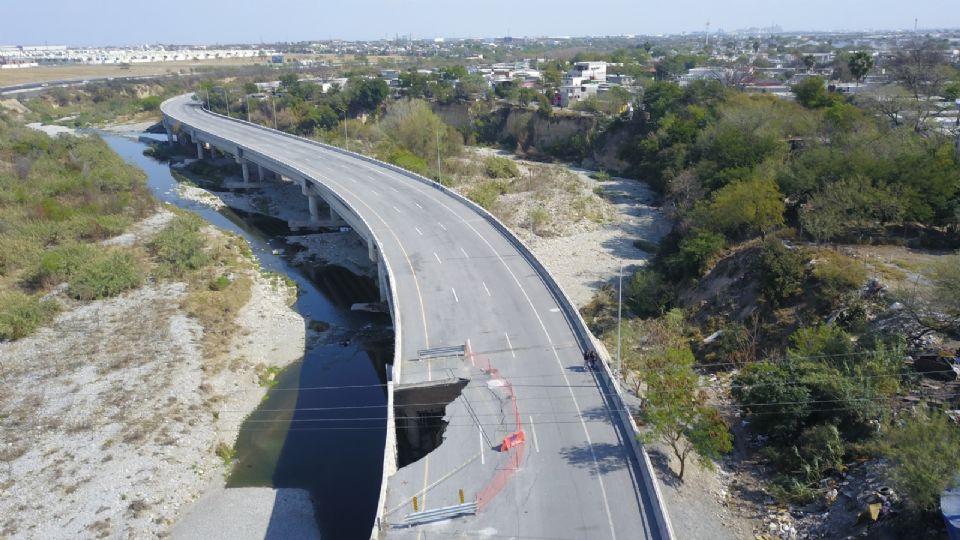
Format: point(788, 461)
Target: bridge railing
point(568, 308)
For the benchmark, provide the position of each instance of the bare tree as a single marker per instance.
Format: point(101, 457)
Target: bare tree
point(923, 72)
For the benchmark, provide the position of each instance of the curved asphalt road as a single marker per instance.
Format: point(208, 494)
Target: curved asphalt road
point(457, 279)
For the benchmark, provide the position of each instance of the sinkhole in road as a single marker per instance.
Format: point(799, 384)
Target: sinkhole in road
point(420, 409)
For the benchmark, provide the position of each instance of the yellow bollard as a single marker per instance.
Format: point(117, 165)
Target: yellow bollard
point(461, 496)
point(415, 505)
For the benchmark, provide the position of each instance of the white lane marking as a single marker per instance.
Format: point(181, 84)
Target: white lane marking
point(441, 225)
point(472, 361)
point(397, 209)
point(485, 288)
point(533, 429)
point(438, 257)
point(416, 203)
point(464, 253)
point(374, 192)
point(395, 190)
point(512, 353)
point(418, 231)
point(563, 372)
point(483, 460)
point(455, 295)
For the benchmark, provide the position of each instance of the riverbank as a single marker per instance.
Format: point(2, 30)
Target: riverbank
point(120, 415)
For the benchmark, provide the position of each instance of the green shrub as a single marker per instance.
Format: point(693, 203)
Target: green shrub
point(696, 252)
point(837, 275)
point(151, 103)
point(923, 449)
point(500, 167)
point(781, 272)
point(106, 275)
point(219, 284)
point(62, 263)
point(648, 293)
point(539, 220)
point(21, 314)
point(819, 449)
point(487, 193)
point(180, 247)
point(824, 341)
point(601, 176)
point(409, 161)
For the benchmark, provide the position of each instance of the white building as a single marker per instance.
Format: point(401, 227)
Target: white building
point(592, 71)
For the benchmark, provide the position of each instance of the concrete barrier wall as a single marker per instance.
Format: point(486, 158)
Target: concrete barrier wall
point(390, 442)
point(571, 313)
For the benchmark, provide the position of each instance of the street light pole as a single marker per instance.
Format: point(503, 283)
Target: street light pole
point(346, 143)
point(619, 324)
point(207, 93)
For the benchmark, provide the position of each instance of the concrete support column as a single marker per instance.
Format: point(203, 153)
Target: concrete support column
point(314, 213)
point(260, 172)
point(199, 150)
point(372, 251)
point(382, 281)
point(246, 171)
point(412, 426)
point(169, 136)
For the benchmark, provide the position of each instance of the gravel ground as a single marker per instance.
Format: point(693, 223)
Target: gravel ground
point(111, 414)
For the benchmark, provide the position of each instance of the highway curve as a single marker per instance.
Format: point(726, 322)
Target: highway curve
point(457, 278)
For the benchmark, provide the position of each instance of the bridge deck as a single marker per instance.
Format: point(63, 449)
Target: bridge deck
point(457, 279)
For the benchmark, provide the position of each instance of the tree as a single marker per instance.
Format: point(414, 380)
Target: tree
point(809, 61)
point(752, 206)
point(923, 449)
point(811, 92)
point(860, 64)
point(676, 411)
point(922, 71)
point(781, 272)
point(367, 94)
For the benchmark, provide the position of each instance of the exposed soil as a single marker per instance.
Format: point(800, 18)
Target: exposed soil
point(112, 415)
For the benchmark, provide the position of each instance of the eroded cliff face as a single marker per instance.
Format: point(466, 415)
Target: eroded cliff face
point(565, 135)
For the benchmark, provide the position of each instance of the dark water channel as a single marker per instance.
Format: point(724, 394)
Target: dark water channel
point(321, 427)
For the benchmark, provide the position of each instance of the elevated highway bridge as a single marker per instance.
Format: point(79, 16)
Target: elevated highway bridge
point(488, 347)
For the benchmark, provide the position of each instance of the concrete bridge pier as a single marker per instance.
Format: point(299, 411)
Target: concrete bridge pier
point(246, 171)
point(260, 172)
point(382, 282)
point(169, 135)
point(314, 212)
point(199, 150)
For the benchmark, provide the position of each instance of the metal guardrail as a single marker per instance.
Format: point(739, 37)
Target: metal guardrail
point(571, 314)
point(437, 514)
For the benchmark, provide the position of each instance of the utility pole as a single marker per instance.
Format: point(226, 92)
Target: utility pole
point(439, 176)
point(346, 143)
point(226, 102)
point(207, 93)
point(273, 105)
point(246, 104)
point(619, 324)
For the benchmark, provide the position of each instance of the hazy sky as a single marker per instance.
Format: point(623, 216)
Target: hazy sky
point(122, 22)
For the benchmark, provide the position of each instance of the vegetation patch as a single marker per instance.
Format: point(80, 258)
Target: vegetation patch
point(21, 314)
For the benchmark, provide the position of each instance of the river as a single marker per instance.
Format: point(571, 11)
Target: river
point(321, 427)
